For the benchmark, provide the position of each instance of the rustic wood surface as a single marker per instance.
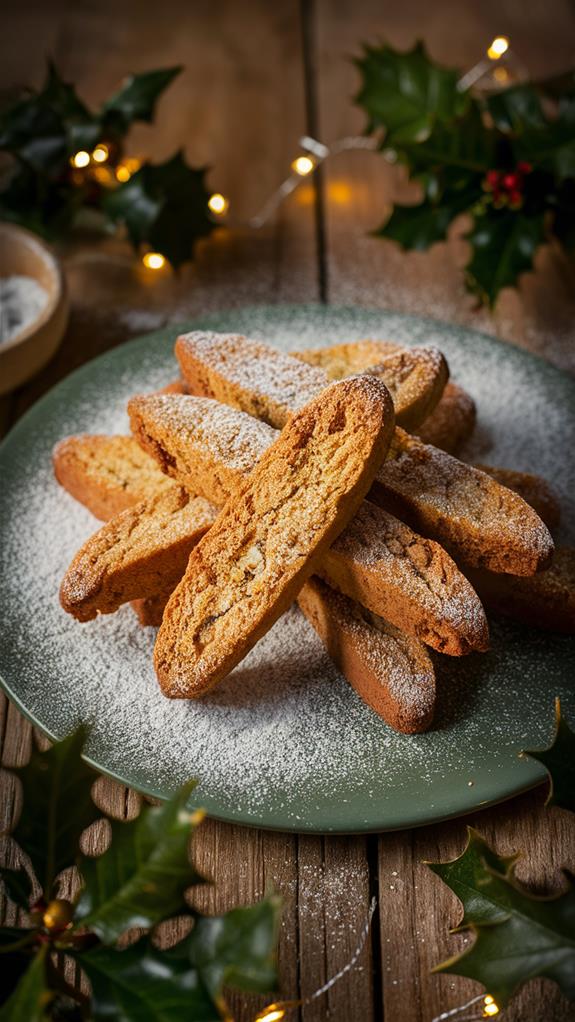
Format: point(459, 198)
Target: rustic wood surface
point(257, 76)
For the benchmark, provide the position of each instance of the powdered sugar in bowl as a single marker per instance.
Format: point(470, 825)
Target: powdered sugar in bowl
point(33, 305)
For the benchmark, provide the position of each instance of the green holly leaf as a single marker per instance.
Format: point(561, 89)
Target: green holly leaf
point(518, 935)
point(57, 807)
point(31, 998)
point(559, 761)
point(504, 243)
point(407, 93)
point(462, 150)
point(418, 227)
point(237, 949)
point(136, 99)
point(142, 877)
point(142, 982)
point(15, 957)
point(18, 885)
point(516, 110)
point(165, 206)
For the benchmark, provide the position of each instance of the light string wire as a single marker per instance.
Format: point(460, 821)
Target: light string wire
point(276, 1011)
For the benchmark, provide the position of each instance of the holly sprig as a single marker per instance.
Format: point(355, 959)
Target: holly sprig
point(506, 159)
point(518, 935)
point(141, 880)
point(163, 206)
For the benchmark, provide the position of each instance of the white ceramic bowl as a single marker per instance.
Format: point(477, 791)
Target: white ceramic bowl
point(23, 355)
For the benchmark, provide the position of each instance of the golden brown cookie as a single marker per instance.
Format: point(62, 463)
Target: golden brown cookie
point(392, 673)
point(377, 560)
point(339, 360)
point(546, 600)
point(124, 560)
point(466, 511)
point(106, 474)
point(451, 422)
point(269, 538)
point(535, 490)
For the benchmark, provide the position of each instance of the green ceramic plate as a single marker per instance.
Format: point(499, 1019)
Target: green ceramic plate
point(284, 742)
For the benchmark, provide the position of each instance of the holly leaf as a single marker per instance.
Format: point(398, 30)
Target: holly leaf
point(518, 935)
point(164, 205)
point(552, 148)
point(31, 997)
point(418, 227)
point(516, 110)
point(57, 807)
point(407, 93)
point(559, 761)
point(143, 982)
point(136, 99)
point(239, 948)
point(142, 877)
point(503, 243)
point(18, 885)
point(464, 149)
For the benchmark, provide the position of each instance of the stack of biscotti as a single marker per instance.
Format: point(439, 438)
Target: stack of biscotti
point(387, 590)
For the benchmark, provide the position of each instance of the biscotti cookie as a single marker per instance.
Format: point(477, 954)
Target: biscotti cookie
point(469, 513)
point(451, 422)
point(392, 673)
point(546, 600)
point(123, 560)
point(535, 490)
point(414, 377)
point(270, 537)
point(106, 474)
point(377, 560)
point(339, 360)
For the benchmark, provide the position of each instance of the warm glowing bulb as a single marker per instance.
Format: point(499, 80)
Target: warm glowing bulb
point(498, 47)
point(80, 159)
point(153, 260)
point(271, 1014)
point(303, 165)
point(490, 1008)
point(100, 153)
point(126, 168)
point(218, 204)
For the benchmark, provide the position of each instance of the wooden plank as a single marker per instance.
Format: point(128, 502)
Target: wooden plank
point(359, 187)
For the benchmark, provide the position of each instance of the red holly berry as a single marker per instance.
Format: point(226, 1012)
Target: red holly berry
point(511, 182)
point(524, 168)
point(492, 178)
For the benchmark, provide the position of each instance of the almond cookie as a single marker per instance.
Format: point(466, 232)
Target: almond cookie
point(377, 560)
point(546, 600)
point(414, 377)
point(124, 561)
point(106, 474)
point(451, 422)
point(339, 360)
point(270, 536)
point(470, 514)
point(392, 673)
point(535, 490)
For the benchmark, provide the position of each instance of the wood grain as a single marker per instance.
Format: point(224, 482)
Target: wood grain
point(257, 76)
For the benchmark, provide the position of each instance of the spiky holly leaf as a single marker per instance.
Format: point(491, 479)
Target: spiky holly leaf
point(503, 243)
point(15, 957)
point(516, 110)
point(463, 149)
point(518, 935)
point(446, 196)
point(239, 948)
point(142, 877)
point(559, 760)
point(143, 982)
point(31, 997)
point(57, 807)
point(406, 93)
point(18, 885)
point(165, 206)
point(136, 99)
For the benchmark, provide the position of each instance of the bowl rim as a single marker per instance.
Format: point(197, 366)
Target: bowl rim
point(55, 296)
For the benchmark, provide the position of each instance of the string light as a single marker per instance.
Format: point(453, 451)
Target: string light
point(101, 153)
point(273, 1013)
point(153, 260)
point(80, 159)
point(303, 165)
point(126, 168)
point(218, 204)
point(498, 47)
point(490, 1008)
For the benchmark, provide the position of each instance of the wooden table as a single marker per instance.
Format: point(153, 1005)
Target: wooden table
point(257, 76)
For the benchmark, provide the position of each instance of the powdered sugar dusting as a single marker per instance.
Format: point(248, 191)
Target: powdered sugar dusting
point(285, 741)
